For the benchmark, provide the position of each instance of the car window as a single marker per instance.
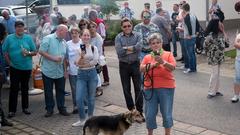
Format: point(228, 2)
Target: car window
point(20, 11)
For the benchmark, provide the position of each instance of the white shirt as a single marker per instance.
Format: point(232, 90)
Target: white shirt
point(72, 56)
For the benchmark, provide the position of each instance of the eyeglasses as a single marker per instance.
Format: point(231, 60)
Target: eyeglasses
point(127, 26)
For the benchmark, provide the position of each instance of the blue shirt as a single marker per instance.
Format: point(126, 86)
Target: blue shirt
point(54, 46)
point(13, 46)
point(9, 24)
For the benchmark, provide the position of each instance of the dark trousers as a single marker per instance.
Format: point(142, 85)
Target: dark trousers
point(105, 74)
point(48, 93)
point(128, 72)
point(19, 80)
point(167, 47)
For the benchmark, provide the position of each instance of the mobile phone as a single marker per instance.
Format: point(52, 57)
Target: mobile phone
point(83, 47)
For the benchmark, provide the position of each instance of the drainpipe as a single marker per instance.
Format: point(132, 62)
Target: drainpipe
point(207, 15)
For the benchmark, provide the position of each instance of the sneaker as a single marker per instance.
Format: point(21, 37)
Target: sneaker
point(181, 59)
point(105, 83)
point(79, 123)
point(11, 114)
point(209, 96)
point(64, 113)
point(219, 94)
point(186, 71)
point(5, 122)
point(67, 93)
point(235, 99)
point(48, 114)
point(26, 111)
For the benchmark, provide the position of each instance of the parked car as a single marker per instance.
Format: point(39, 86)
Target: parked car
point(40, 6)
point(20, 13)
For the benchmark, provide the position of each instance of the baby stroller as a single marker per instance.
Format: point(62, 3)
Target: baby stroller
point(200, 41)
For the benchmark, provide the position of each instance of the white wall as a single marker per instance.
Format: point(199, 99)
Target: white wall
point(198, 7)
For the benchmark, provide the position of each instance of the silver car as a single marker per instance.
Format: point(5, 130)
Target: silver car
point(20, 13)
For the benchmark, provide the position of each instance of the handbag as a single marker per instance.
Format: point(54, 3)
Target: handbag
point(99, 68)
point(227, 43)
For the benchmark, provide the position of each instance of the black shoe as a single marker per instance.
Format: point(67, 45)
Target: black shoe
point(48, 114)
point(219, 94)
point(25, 111)
point(75, 111)
point(181, 59)
point(11, 114)
point(210, 96)
point(64, 113)
point(6, 123)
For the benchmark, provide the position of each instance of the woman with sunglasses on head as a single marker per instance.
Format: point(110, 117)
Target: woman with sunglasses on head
point(96, 40)
point(145, 28)
point(87, 77)
point(159, 84)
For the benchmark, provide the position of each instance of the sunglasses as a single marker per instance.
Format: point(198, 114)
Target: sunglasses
point(127, 26)
point(82, 24)
point(147, 17)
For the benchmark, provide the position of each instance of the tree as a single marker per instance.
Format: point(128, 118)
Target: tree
point(108, 7)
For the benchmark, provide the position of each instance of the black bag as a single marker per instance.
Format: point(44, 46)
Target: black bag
point(227, 43)
point(99, 68)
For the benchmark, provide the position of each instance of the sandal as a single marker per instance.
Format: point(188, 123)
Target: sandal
point(99, 92)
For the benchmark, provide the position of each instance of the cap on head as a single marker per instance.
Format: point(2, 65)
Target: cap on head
point(19, 23)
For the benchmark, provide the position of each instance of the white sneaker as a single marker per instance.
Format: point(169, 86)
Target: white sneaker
point(79, 123)
point(186, 71)
point(235, 99)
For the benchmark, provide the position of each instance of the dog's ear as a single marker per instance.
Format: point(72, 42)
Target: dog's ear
point(127, 114)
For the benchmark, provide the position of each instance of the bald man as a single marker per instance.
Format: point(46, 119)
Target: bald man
point(8, 21)
point(53, 50)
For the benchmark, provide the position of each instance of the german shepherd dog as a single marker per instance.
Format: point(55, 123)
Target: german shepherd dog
point(111, 125)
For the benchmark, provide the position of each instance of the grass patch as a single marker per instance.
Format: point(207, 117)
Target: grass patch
point(231, 53)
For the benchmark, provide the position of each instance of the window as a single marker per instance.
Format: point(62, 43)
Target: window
point(60, 2)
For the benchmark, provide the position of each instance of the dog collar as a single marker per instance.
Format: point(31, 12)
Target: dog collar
point(128, 121)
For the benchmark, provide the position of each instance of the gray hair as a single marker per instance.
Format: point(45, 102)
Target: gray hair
point(5, 10)
point(61, 27)
point(156, 36)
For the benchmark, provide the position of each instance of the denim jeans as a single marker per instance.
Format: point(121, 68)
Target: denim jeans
point(174, 42)
point(181, 40)
point(48, 93)
point(128, 72)
point(164, 98)
point(73, 84)
point(86, 88)
point(190, 54)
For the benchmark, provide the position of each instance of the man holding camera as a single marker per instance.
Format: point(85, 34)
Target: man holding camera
point(53, 50)
point(128, 48)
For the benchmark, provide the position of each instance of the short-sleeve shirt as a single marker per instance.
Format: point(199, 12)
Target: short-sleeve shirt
point(9, 24)
point(13, 46)
point(162, 78)
point(54, 46)
point(72, 56)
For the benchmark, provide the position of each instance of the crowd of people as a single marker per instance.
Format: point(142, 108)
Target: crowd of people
point(74, 49)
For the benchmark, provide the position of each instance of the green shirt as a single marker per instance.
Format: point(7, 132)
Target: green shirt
point(54, 46)
point(13, 46)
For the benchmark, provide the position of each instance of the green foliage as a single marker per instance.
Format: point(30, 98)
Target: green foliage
point(113, 29)
point(231, 53)
point(107, 6)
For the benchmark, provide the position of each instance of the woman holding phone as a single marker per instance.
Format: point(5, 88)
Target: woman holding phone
point(87, 77)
